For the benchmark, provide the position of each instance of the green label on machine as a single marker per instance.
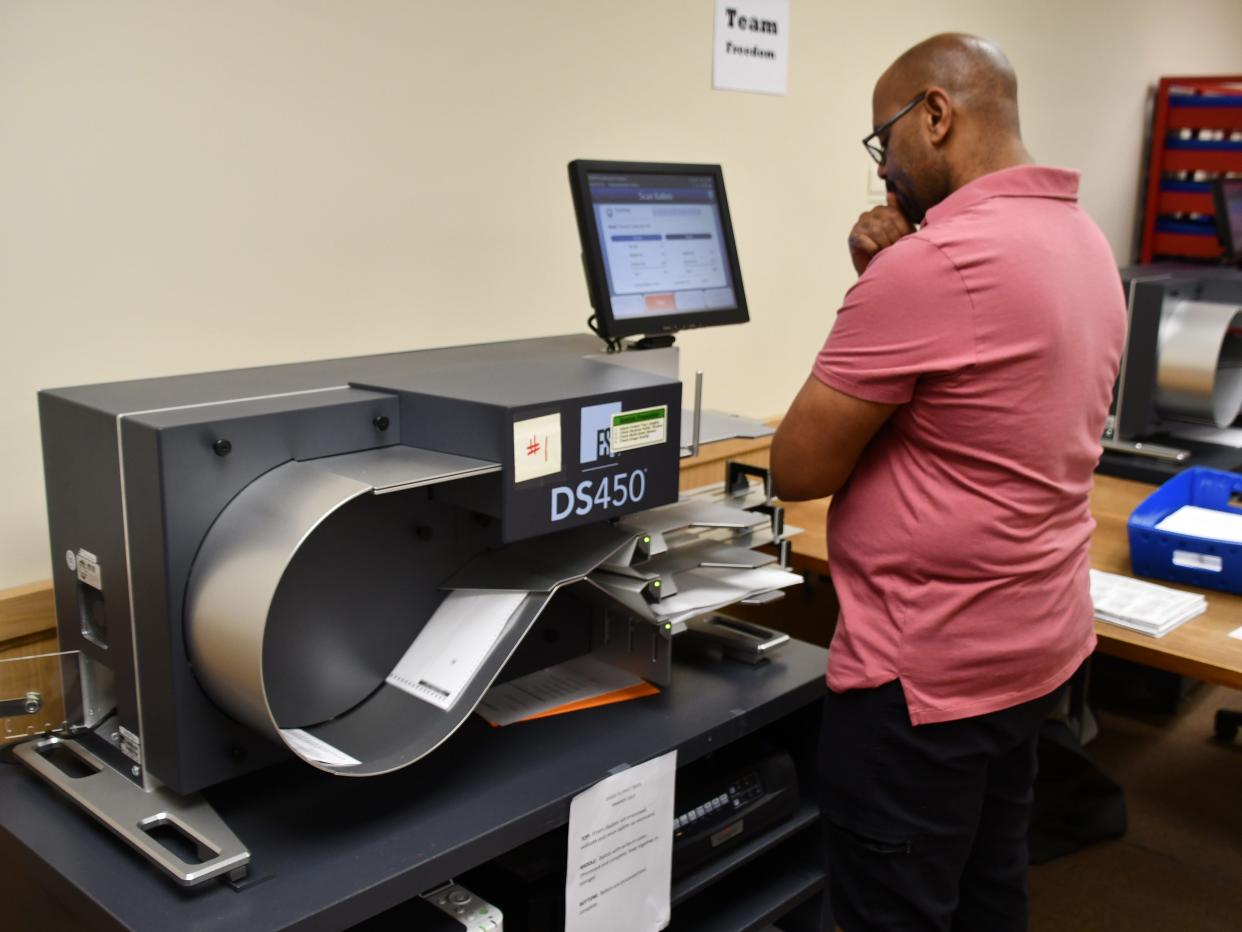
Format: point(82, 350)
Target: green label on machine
point(644, 427)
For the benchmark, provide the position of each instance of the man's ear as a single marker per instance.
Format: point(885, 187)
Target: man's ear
point(938, 114)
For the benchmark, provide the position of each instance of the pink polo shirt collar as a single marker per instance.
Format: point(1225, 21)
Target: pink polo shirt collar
point(1019, 181)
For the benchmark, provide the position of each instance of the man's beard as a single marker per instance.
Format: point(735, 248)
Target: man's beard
point(909, 206)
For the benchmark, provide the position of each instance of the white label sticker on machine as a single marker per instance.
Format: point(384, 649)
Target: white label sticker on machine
point(129, 744)
point(644, 427)
point(1198, 561)
point(88, 569)
point(453, 644)
point(536, 447)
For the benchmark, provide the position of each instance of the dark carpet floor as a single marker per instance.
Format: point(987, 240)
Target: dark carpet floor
point(1179, 867)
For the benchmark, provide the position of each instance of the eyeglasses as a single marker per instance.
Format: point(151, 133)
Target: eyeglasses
point(874, 148)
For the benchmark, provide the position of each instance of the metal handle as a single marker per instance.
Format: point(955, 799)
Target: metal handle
point(737, 483)
point(28, 704)
point(1153, 450)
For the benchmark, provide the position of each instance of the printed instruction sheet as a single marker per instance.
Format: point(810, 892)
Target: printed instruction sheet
point(621, 851)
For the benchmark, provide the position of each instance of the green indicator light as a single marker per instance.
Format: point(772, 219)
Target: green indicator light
point(668, 626)
point(655, 584)
point(646, 540)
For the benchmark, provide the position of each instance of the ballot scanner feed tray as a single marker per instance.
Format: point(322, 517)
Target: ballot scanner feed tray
point(395, 468)
point(1210, 560)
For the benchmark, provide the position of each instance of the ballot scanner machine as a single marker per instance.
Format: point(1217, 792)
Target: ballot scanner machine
point(1179, 393)
point(334, 560)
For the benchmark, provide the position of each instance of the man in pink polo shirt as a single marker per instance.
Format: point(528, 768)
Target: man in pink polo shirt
point(954, 413)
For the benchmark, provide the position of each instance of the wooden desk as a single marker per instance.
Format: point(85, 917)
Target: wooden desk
point(1201, 648)
point(27, 617)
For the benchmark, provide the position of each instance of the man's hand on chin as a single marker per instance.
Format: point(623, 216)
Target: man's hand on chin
point(877, 229)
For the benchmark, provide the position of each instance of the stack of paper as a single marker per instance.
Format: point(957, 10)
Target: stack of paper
point(706, 589)
point(1142, 606)
point(1204, 522)
point(699, 591)
point(582, 683)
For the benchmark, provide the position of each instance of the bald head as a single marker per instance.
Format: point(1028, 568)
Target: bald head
point(974, 72)
point(946, 112)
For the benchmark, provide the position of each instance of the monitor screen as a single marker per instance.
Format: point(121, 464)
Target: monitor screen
point(657, 243)
point(1229, 216)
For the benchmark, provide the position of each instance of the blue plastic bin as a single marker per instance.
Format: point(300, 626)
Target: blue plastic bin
point(1182, 558)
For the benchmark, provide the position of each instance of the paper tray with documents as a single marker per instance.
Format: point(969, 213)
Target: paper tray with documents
point(1189, 530)
point(698, 559)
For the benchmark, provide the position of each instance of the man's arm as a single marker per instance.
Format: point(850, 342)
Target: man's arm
point(820, 440)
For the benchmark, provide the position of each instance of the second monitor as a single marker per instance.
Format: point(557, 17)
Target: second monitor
point(657, 243)
point(1228, 197)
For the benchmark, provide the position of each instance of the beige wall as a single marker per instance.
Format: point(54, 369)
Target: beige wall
point(189, 186)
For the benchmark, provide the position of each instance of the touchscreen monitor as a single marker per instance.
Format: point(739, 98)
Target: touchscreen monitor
point(657, 244)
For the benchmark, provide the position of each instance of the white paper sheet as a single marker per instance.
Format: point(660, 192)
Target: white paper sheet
point(620, 870)
point(1204, 522)
point(306, 744)
point(704, 589)
point(453, 644)
point(751, 46)
point(692, 513)
point(573, 681)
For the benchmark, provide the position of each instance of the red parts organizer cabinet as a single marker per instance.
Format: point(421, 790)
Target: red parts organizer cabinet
point(1196, 137)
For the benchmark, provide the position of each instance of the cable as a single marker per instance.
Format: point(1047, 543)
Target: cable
point(613, 344)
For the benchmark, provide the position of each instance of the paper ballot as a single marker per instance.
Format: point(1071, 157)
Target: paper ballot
point(1142, 606)
point(706, 589)
point(312, 748)
point(620, 866)
point(581, 683)
point(453, 644)
point(1204, 522)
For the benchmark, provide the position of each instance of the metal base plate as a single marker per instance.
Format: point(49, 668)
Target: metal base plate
point(139, 816)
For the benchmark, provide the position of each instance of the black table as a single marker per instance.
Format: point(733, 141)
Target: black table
point(329, 852)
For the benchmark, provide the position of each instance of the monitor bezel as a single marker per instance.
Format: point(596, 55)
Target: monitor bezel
point(1224, 230)
point(610, 327)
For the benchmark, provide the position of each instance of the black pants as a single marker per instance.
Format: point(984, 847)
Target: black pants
point(925, 827)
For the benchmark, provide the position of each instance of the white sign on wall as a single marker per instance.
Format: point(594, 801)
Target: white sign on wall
point(751, 46)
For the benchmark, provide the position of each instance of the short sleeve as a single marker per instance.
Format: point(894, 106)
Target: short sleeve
point(909, 316)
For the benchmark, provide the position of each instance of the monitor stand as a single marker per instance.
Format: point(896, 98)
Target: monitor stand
point(651, 341)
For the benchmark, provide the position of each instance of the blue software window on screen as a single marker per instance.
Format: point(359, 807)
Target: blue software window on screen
point(662, 243)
